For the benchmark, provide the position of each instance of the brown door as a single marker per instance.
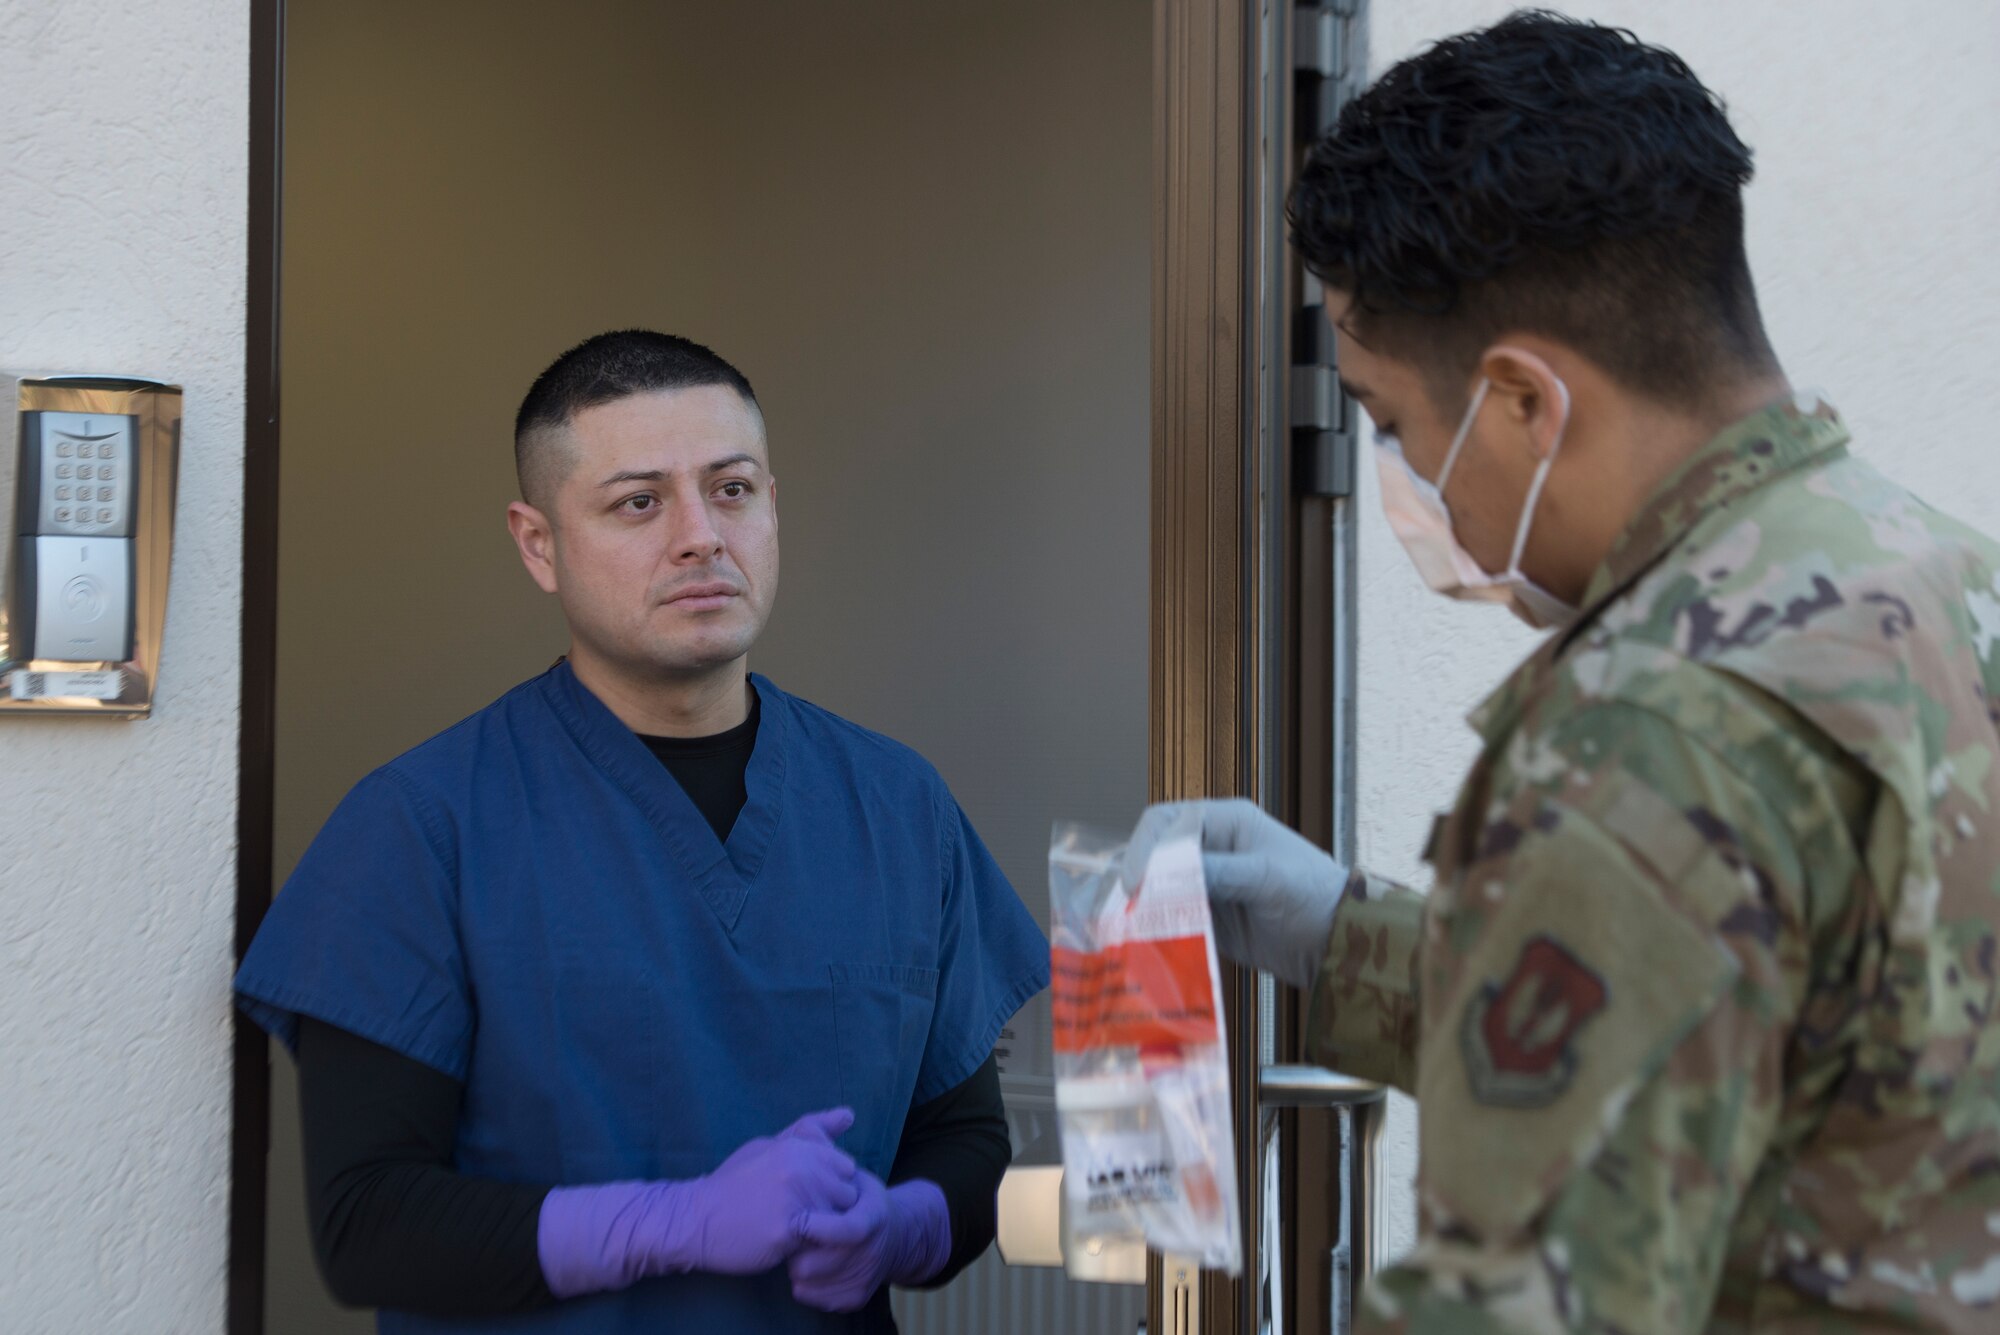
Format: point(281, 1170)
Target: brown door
point(1253, 568)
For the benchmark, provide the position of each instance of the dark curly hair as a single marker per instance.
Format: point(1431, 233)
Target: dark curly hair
point(1544, 175)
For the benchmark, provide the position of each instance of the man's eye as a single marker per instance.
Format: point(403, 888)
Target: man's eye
point(735, 491)
point(641, 503)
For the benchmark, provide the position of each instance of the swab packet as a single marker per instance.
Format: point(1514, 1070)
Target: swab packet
point(1142, 1069)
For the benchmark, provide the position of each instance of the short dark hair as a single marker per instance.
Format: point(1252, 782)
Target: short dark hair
point(604, 369)
point(1546, 175)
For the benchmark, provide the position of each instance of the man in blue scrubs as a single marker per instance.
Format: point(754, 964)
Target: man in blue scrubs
point(649, 997)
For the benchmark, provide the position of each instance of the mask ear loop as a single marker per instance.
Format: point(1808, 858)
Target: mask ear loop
point(1464, 433)
point(1535, 486)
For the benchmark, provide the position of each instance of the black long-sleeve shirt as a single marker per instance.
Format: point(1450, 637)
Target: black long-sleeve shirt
point(395, 1225)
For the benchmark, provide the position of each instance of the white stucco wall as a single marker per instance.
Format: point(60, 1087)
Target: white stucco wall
point(122, 228)
point(1877, 137)
point(122, 186)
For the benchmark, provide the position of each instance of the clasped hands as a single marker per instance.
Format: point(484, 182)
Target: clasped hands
point(799, 1200)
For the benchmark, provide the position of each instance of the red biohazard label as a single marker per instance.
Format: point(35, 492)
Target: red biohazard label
point(1516, 1035)
point(1140, 994)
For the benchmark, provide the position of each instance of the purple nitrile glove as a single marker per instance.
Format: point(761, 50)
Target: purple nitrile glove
point(744, 1218)
point(891, 1235)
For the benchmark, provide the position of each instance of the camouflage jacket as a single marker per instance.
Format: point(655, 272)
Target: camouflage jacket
point(1700, 1012)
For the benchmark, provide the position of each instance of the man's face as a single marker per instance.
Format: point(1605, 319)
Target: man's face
point(664, 531)
point(1488, 486)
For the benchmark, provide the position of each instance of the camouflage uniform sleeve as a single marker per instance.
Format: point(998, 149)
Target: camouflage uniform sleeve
point(1363, 1016)
point(1615, 970)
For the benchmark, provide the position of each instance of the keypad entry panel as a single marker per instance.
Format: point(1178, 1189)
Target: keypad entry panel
point(86, 468)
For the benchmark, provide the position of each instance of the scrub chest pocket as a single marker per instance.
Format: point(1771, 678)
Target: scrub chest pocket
point(882, 1021)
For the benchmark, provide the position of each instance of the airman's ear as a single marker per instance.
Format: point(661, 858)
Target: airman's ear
point(1532, 397)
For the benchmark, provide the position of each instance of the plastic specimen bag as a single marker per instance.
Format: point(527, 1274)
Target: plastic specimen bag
point(1142, 1071)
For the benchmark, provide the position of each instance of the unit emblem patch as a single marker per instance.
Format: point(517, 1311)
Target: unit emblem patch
point(1517, 1035)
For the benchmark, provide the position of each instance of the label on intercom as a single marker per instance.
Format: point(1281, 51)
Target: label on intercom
point(26, 685)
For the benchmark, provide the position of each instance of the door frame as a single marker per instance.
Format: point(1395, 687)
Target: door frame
point(1206, 683)
point(1252, 572)
point(1210, 679)
point(250, 1076)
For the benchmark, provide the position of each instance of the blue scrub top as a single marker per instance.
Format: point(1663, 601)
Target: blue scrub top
point(530, 904)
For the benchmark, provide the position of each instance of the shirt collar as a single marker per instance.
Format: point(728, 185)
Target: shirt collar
point(1747, 456)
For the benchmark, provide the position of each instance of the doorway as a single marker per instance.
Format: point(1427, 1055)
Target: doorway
point(925, 232)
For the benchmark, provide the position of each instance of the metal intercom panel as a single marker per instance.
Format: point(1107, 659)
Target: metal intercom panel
point(88, 464)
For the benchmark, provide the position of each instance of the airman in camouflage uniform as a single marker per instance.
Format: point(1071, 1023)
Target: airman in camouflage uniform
point(1700, 1008)
point(1712, 944)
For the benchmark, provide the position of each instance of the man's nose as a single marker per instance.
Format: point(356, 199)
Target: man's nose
point(695, 536)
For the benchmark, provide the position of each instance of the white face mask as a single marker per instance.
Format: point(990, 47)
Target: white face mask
point(1419, 519)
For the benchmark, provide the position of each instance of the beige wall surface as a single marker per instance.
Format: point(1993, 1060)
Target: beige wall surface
point(123, 179)
point(922, 230)
point(1870, 222)
point(923, 236)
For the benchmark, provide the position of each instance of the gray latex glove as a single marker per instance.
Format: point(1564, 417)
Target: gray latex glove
point(1271, 891)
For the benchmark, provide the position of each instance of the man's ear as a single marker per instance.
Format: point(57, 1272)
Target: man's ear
point(1532, 397)
point(536, 537)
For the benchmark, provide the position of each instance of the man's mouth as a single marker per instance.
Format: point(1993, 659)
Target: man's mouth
point(702, 597)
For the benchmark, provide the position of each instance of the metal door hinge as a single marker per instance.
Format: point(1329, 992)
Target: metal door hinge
point(1315, 398)
point(1322, 421)
point(1316, 41)
point(1322, 434)
point(1323, 463)
point(1323, 53)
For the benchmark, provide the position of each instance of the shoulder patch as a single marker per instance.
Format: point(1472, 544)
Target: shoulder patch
point(1516, 1034)
point(1565, 981)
